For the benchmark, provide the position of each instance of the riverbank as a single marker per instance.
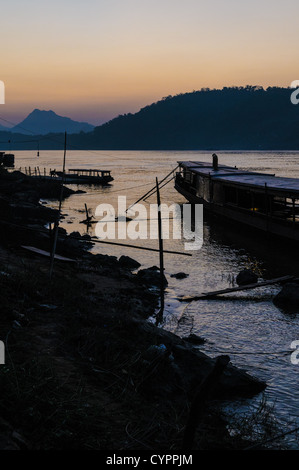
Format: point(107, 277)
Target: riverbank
point(84, 367)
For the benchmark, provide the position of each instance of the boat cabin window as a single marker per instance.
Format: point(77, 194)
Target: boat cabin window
point(246, 199)
point(231, 195)
point(278, 207)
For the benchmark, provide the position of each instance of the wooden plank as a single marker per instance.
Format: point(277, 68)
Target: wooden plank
point(206, 295)
point(125, 245)
point(47, 253)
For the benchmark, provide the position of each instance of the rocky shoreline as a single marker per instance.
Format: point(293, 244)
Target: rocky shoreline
point(85, 368)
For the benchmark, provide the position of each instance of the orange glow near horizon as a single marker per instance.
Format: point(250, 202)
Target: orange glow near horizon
point(93, 60)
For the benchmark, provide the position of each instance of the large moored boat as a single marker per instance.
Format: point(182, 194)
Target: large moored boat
point(262, 201)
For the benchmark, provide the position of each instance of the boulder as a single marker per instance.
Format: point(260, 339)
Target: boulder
point(151, 277)
point(194, 339)
point(190, 367)
point(75, 235)
point(180, 275)
point(86, 237)
point(246, 277)
point(127, 262)
point(289, 295)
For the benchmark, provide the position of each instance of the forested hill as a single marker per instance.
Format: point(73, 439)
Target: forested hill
point(232, 118)
point(249, 118)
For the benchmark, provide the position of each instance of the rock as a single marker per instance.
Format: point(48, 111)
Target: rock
point(246, 277)
point(192, 366)
point(75, 234)
point(28, 196)
point(31, 211)
point(194, 339)
point(180, 275)
point(288, 295)
point(151, 276)
point(195, 366)
point(128, 262)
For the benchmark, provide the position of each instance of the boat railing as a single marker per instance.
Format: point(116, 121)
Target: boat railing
point(36, 172)
point(281, 220)
point(52, 173)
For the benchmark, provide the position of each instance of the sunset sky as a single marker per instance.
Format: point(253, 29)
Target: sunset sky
point(94, 59)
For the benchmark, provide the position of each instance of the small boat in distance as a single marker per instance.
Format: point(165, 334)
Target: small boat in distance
point(72, 176)
point(85, 176)
point(259, 200)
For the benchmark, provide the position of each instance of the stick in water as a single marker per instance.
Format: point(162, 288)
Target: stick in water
point(59, 212)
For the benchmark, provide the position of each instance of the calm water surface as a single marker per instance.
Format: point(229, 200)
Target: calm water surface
point(246, 325)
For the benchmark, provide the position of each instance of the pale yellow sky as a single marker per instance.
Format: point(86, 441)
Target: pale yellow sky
point(92, 60)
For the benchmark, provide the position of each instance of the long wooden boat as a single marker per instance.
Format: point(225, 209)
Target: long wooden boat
point(87, 176)
point(259, 200)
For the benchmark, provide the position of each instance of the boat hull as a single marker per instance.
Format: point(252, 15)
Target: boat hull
point(87, 180)
point(239, 216)
point(73, 178)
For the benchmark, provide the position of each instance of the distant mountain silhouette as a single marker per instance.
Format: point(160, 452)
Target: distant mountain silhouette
point(236, 118)
point(45, 122)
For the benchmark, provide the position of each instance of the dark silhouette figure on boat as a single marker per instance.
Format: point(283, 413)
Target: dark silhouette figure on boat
point(215, 162)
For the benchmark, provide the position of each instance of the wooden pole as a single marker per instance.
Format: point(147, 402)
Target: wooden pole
point(63, 173)
point(160, 250)
point(56, 226)
point(88, 217)
point(207, 295)
point(151, 191)
point(267, 205)
point(50, 237)
point(151, 194)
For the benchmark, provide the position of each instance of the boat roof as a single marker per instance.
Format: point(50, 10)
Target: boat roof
point(234, 176)
point(88, 170)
